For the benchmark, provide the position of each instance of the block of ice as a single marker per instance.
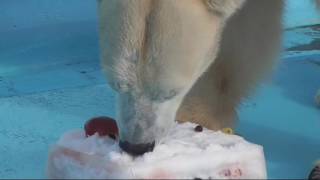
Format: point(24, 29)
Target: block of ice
point(183, 154)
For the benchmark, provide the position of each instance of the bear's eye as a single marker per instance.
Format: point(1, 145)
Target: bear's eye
point(162, 96)
point(122, 86)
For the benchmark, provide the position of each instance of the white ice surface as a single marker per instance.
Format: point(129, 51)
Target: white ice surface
point(183, 154)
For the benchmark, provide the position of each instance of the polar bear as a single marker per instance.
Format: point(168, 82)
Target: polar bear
point(185, 60)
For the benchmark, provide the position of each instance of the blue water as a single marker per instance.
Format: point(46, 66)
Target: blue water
point(51, 82)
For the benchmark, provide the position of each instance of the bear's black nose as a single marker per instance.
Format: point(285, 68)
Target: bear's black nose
point(136, 149)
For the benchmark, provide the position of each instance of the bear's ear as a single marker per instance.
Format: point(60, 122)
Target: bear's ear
point(224, 8)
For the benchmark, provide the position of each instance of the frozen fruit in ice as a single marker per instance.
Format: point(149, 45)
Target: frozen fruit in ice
point(103, 126)
point(198, 128)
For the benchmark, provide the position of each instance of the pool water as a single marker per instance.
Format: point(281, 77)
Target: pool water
point(51, 82)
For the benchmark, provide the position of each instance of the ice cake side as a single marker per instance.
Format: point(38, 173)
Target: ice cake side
point(183, 153)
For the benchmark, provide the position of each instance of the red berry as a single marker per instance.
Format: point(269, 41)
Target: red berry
point(103, 126)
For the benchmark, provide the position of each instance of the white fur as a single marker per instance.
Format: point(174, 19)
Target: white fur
point(144, 45)
point(190, 59)
point(224, 7)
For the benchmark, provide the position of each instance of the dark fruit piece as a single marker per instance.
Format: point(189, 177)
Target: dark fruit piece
point(103, 126)
point(198, 128)
point(136, 149)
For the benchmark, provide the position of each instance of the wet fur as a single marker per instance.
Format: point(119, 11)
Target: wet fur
point(248, 49)
point(189, 60)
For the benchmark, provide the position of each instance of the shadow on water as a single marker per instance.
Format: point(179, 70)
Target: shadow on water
point(55, 56)
point(50, 44)
point(299, 77)
point(299, 74)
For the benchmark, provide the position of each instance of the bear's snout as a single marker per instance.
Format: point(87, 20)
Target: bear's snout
point(136, 149)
